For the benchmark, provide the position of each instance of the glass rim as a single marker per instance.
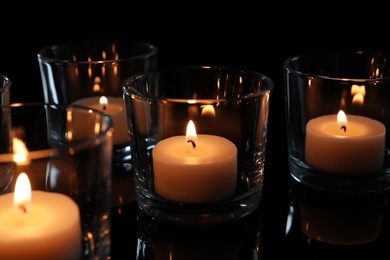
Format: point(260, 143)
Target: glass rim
point(269, 87)
point(72, 146)
point(288, 64)
point(46, 53)
point(5, 83)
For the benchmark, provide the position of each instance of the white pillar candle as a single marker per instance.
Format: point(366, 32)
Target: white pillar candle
point(203, 169)
point(47, 227)
point(115, 108)
point(355, 146)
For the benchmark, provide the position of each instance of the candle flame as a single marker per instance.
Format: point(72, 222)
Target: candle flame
point(191, 133)
point(355, 89)
point(208, 110)
point(342, 121)
point(20, 150)
point(103, 101)
point(358, 92)
point(22, 194)
point(358, 99)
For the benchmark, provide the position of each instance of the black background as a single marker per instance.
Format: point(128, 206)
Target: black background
point(256, 36)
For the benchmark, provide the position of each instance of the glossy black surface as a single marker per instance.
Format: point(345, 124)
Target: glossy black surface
point(244, 37)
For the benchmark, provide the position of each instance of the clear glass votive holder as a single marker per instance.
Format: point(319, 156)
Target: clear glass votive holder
point(5, 90)
point(198, 141)
point(81, 72)
point(338, 119)
point(66, 153)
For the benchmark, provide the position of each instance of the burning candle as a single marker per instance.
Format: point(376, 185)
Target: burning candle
point(114, 107)
point(195, 168)
point(38, 224)
point(337, 144)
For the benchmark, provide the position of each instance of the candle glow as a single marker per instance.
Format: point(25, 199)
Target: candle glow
point(22, 194)
point(345, 145)
point(191, 134)
point(203, 171)
point(115, 108)
point(48, 228)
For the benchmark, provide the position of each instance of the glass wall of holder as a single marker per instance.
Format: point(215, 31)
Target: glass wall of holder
point(338, 120)
point(5, 90)
point(198, 137)
point(62, 155)
point(90, 73)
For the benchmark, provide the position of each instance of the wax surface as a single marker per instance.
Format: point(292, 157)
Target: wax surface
point(358, 150)
point(204, 174)
point(50, 229)
point(116, 109)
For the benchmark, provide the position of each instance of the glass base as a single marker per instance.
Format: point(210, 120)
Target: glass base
point(198, 213)
point(343, 184)
point(123, 188)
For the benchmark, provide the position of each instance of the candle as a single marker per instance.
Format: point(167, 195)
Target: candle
point(114, 107)
point(337, 144)
point(195, 168)
point(38, 224)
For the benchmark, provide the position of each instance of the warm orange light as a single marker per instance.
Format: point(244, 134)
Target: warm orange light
point(103, 101)
point(191, 133)
point(20, 152)
point(342, 121)
point(358, 99)
point(355, 89)
point(96, 84)
point(358, 93)
point(208, 110)
point(22, 194)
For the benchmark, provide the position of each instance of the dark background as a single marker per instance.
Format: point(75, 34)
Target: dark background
point(254, 36)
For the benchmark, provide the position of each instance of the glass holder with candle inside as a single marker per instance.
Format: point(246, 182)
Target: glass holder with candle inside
point(84, 71)
point(65, 152)
point(198, 137)
point(338, 121)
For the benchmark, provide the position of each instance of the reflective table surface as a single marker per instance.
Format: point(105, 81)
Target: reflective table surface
point(291, 222)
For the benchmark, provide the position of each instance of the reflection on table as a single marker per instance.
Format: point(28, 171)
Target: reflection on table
point(321, 225)
point(307, 224)
point(148, 238)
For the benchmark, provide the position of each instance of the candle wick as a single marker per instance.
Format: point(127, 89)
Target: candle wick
point(344, 128)
point(192, 142)
point(23, 208)
point(104, 107)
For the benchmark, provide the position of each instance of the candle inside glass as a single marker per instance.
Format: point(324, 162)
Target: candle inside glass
point(195, 168)
point(345, 144)
point(38, 224)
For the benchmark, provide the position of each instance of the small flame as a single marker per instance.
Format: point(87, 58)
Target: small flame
point(342, 121)
point(358, 99)
point(358, 92)
point(96, 84)
point(103, 101)
point(355, 89)
point(191, 133)
point(22, 194)
point(208, 110)
point(20, 150)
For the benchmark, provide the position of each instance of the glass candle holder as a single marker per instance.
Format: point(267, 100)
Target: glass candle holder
point(338, 119)
point(5, 90)
point(83, 72)
point(66, 154)
point(198, 137)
